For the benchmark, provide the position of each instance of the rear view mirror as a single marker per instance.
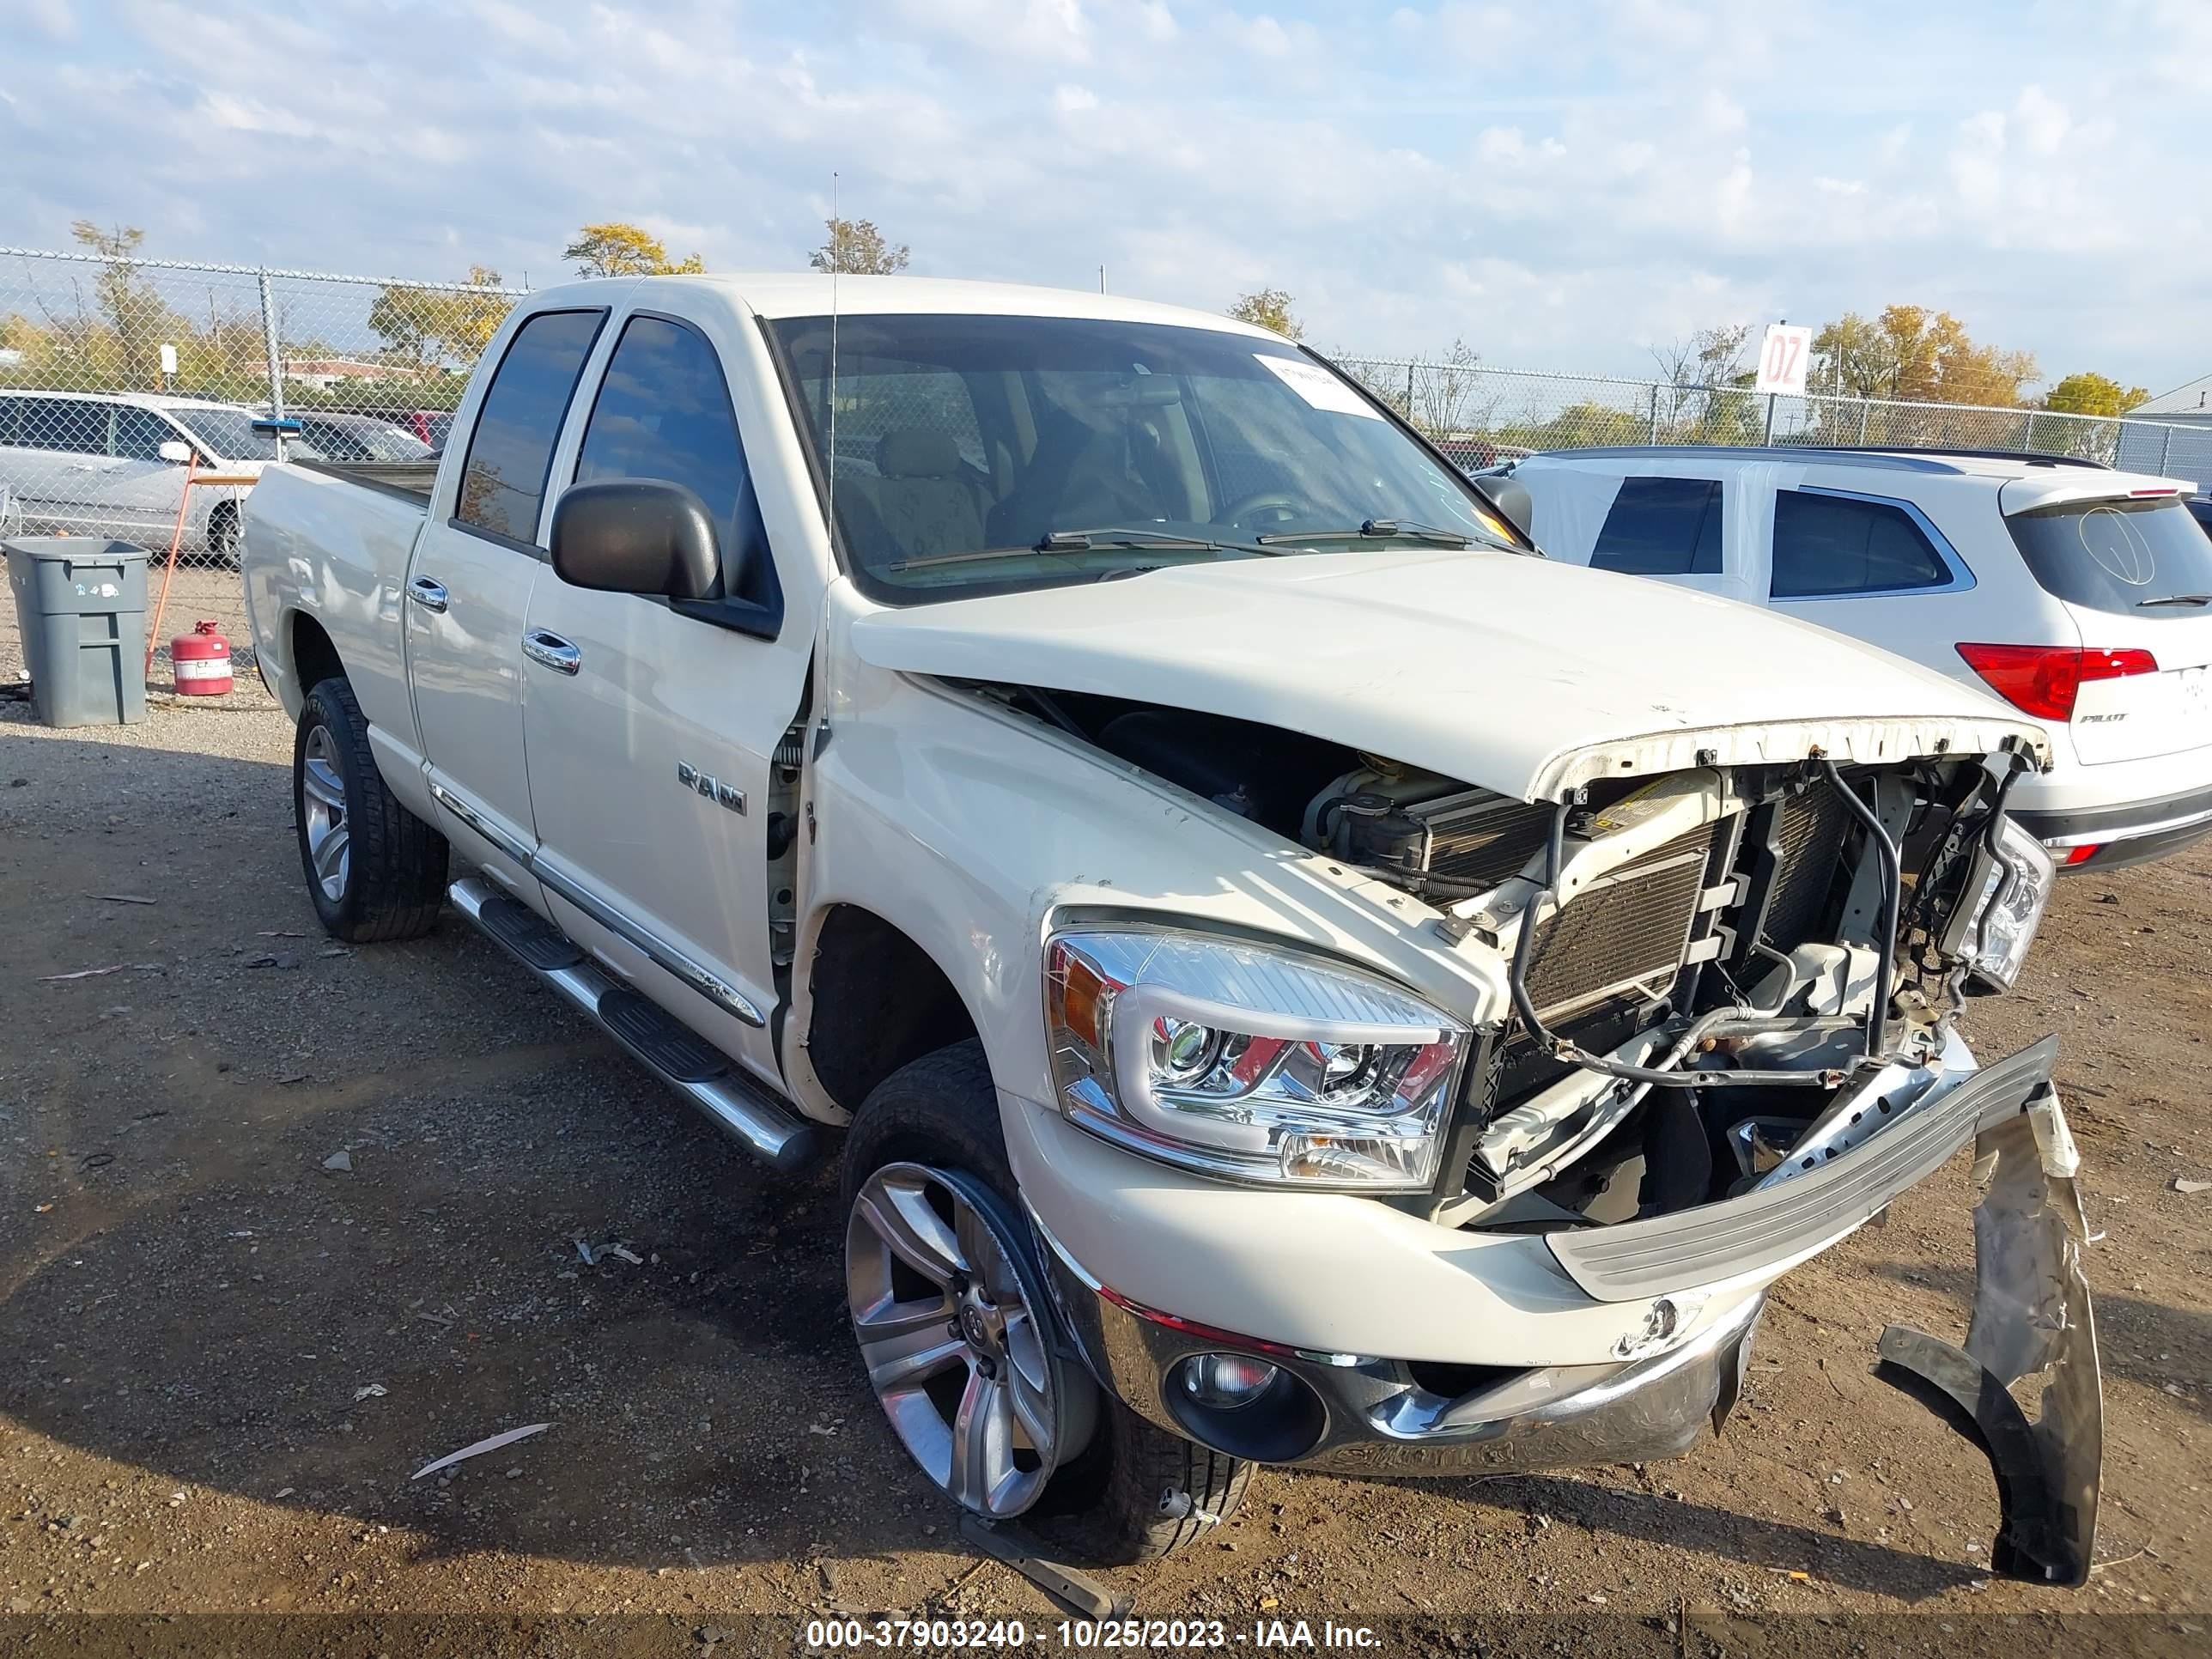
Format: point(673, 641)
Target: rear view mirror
point(636, 536)
point(1512, 499)
point(175, 451)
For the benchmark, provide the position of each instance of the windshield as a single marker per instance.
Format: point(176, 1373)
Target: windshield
point(1133, 445)
point(2119, 556)
point(226, 434)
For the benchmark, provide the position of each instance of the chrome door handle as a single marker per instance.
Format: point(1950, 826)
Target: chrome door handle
point(430, 595)
point(552, 651)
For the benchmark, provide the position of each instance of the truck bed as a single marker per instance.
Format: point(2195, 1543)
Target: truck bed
point(410, 480)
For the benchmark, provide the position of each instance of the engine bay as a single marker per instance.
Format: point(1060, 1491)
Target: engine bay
point(1696, 957)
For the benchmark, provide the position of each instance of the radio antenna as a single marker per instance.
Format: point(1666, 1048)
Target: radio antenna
point(836, 258)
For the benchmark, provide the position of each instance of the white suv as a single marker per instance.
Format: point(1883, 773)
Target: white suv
point(2080, 595)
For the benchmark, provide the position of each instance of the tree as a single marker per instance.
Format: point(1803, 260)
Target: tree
point(1700, 401)
point(133, 308)
point(1919, 356)
point(426, 326)
point(1268, 307)
point(616, 249)
point(2093, 394)
point(857, 248)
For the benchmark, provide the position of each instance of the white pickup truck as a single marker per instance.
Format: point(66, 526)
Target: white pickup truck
point(1300, 978)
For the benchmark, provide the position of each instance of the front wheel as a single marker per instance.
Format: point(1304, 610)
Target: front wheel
point(964, 1350)
point(375, 871)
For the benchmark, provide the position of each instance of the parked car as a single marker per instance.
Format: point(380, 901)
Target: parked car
point(112, 464)
point(2081, 596)
point(426, 426)
point(1299, 979)
point(339, 437)
point(2200, 508)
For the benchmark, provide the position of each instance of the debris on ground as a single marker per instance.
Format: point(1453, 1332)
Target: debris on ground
point(341, 1161)
point(368, 1391)
point(121, 898)
point(2182, 1184)
point(480, 1447)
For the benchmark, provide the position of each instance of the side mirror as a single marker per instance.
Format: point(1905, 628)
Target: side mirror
point(636, 536)
point(175, 451)
point(1510, 497)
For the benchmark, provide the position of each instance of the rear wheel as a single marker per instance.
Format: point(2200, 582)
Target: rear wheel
point(963, 1347)
point(223, 536)
point(375, 871)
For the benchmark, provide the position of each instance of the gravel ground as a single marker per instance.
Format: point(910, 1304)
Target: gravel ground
point(227, 1356)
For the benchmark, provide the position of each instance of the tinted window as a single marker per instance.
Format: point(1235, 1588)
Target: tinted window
point(1663, 527)
point(963, 443)
point(140, 434)
point(1834, 544)
point(664, 412)
point(74, 426)
point(511, 450)
point(225, 434)
point(2117, 556)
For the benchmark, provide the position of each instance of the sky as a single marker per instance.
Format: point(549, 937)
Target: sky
point(1561, 184)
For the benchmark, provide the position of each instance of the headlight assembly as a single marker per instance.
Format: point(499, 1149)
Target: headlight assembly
point(1998, 915)
point(1250, 1063)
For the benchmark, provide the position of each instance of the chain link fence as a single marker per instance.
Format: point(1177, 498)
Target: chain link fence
point(122, 378)
point(1480, 415)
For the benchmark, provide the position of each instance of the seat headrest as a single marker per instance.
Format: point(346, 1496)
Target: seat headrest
point(917, 452)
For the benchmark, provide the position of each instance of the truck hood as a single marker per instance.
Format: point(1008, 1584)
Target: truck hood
point(1505, 670)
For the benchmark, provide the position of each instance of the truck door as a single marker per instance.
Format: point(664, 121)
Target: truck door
point(650, 724)
point(468, 593)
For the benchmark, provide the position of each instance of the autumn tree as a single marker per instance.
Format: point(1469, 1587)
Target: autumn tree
point(616, 249)
point(131, 307)
point(857, 248)
point(426, 325)
point(1918, 355)
point(1268, 307)
point(2093, 394)
point(1701, 401)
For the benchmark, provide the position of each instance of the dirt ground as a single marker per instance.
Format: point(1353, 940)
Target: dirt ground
point(221, 1357)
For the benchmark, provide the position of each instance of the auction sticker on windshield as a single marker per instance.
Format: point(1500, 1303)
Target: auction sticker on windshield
point(1318, 386)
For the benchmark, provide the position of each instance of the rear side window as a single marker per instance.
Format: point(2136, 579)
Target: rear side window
point(2146, 559)
point(511, 450)
point(73, 426)
point(1829, 546)
point(1663, 527)
point(664, 412)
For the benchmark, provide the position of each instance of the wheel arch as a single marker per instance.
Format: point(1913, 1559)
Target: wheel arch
point(868, 998)
point(310, 655)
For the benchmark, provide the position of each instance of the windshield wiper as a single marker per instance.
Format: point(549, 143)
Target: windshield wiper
point(1086, 541)
point(2175, 598)
point(1400, 529)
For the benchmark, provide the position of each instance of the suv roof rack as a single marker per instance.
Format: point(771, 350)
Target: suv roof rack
point(1910, 457)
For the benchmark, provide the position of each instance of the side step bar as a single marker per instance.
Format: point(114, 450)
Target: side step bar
point(679, 1056)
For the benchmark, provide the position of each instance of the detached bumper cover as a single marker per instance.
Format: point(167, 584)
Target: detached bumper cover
point(1770, 1228)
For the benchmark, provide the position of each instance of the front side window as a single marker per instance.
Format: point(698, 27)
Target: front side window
point(2132, 558)
point(140, 434)
point(985, 453)
point(511, 450)
point(226, 434)
point(664, 411)
point(1833, 546)
point(1663, 527)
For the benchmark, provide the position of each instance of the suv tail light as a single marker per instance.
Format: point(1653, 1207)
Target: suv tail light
point(2043, 680)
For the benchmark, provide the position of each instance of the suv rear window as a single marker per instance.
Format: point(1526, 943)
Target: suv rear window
point(2122, 556)
point(1829, 546)
point(1661, 527)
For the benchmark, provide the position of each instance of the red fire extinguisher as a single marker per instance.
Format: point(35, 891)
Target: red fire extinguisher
point(202, 660)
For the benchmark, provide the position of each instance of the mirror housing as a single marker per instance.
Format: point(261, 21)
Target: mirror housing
point(636, 536)
point(175, 451)
point(1511, 498)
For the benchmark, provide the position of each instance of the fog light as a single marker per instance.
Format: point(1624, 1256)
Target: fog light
point(1223, 1382)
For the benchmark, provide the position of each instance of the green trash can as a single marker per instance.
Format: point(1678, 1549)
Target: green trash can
point(80, 604)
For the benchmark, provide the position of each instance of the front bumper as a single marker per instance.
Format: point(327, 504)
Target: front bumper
point(1684, 1293)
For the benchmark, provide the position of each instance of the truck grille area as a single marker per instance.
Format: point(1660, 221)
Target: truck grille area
point(1630, 931)
point(1478, 846)
point(1809, 842)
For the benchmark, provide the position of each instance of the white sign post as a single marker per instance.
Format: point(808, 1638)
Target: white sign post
point(168, 365)
point(1783, 357)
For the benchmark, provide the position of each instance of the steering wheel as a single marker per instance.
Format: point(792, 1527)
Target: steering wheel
point(1280, 501)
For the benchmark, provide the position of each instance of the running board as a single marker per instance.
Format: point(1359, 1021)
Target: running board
point(670, 1050)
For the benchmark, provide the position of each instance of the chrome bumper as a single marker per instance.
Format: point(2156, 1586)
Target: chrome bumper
point(1371, 1416)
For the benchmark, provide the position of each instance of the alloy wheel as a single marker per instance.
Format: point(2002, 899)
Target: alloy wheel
point(323, 806)
point(957, 1354)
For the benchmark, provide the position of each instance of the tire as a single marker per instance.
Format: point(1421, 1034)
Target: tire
point(386, 880)
point(224, 533)
point(1126, 1491)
